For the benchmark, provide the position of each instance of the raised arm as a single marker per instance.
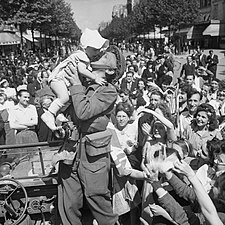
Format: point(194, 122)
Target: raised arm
point(170, 127)
point(206, 204)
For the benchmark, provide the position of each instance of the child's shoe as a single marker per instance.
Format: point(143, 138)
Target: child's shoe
point(49, 120)
point(61, 119)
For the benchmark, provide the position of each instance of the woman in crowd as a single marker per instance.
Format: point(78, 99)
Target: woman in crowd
point(219, 103)
point(159, 132)
point(141, 90)
point(127, 132)
point(204, 127)
point(126, 159)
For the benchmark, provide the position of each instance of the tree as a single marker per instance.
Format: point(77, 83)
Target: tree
point(52, 17)
point(118, 29)
point(148, 14)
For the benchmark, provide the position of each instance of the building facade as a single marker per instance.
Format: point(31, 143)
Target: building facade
point(119, 10)
point(210, 29)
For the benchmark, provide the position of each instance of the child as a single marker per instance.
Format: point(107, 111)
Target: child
point(91, 44)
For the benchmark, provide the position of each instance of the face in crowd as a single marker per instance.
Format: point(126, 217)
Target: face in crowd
point(124, 97)
point(182, 96)
point(189, 59)
point(193, 102)
point(221, 95)
point(214, 85)
point(122, 119)
point(131, 69)
point(189, 79)
point(155, 100)
point(24, 98)
point(202, 119)
point(158, 129)
point(129, 76)
point(205, 90)
point(141, 85)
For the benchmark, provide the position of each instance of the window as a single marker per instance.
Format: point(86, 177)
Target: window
point(215, 12)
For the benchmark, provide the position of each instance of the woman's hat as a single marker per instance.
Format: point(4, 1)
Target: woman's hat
point(93, 39)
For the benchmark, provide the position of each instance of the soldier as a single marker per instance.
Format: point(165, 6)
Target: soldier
point(88, 176)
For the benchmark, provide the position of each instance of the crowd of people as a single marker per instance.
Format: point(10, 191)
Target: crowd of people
point(167, 149)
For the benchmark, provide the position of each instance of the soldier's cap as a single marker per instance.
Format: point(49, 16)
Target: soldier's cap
point(107, 61)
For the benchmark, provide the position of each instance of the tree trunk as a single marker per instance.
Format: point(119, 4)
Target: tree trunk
point(32, 32)
point(169, 35)
point(40, 40)
point(21, 37)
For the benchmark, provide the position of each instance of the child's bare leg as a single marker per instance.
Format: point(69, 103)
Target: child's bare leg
point(60, 89)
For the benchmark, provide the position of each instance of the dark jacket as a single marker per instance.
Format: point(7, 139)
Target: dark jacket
point(212, 63)
point(92, 106)
point(187, 69)
point(124, 85)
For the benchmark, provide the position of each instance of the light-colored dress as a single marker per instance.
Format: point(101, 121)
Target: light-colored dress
point(198, 139)
point(125, 191)
point(128, 136)
point(59, 74)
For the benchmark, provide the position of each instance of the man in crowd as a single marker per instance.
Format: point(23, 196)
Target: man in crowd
point(212, 61)
point(201, 58)
point(129, 82)
point(214, 88)
point(188, 68)
point(156, 97)
point(193, 101)
point(23, 118)
point(169, 58)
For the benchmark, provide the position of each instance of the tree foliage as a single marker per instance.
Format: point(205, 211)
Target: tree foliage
point(52, 17)
point(150, 13)
point(118, 28)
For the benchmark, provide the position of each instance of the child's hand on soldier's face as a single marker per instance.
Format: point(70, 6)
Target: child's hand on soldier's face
point(99, 80)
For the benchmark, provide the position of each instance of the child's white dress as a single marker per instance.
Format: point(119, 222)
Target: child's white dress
point(59, 74)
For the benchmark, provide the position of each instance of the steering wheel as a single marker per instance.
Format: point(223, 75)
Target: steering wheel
point(13, 201)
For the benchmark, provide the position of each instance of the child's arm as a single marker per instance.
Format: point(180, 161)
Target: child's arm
point(82, 69)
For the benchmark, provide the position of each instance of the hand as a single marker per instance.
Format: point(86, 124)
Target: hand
point(144, 168)
point(153, 172)
point(146, 128)
point(130, 143)
point(183, 168)
point(157, 210)
point(128, 150)
point(72, 74)
point(144, 222)
point(99, 80)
